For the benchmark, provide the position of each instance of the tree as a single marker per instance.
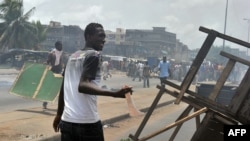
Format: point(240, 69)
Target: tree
point(41, 34)
point(15, 30)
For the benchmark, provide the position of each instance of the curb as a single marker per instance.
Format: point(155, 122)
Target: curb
point(114, 119)
point(124, 116)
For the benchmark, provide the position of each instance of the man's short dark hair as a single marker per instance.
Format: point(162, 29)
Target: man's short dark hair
point(58, 45)
point(164, 58)
point(91, 29)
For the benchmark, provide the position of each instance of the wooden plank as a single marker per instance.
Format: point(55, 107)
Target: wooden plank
point(225, 120)
point(222, 79)
point(196, 64)
point(171, 84)
point(198, 102)
point(197, 119)
point(226, 37)
point(243, 115)
point(203, 125)
point(212, 126)
point(240, 94)
point(203, 110)
point(184, 114)
point(238, 59)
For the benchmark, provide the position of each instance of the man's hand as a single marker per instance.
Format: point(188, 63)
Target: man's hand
point(124, 90)
point(56, 122)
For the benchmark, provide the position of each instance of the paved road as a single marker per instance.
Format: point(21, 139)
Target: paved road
point(160, 118)
point(126, 127)
point(10, 102)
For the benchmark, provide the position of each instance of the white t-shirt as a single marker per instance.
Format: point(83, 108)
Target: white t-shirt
point(79, 107)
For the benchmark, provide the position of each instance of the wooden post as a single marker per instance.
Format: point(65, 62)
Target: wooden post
point(222, 79)
point(175, 123)
point(185, 113)
point(196, 64)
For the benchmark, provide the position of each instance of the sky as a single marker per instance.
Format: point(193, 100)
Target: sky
point(182, 17)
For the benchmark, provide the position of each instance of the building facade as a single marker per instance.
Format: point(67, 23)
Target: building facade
point(72, 37)
point(131, 43)
point(143, 43)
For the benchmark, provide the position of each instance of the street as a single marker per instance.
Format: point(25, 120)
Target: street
point(119, 130)
point(160, 118)
point(10, 102)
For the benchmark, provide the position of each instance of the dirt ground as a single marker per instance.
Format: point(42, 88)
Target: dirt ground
point(120, 131)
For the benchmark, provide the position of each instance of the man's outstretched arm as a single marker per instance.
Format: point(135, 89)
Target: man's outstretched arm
point(60, 108)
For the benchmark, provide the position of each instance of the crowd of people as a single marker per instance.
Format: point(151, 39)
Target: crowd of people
point(142, 71)
point(208, 71)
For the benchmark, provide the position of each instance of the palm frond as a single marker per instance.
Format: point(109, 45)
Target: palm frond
point(27, 15)
point(15, 30)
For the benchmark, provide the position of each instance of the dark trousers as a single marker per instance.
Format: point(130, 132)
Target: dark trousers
point(81, 132)
point(162, 80)
point(56, 69)
point(145, 81)
point(45, 105)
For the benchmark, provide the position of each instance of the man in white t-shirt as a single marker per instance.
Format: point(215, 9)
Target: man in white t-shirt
point(77, 116)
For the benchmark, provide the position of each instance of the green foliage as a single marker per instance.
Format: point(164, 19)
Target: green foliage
point(40, 35)
point(11, 10)
point(15, 29)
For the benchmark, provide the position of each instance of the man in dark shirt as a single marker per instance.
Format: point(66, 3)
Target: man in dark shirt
point(55, 61)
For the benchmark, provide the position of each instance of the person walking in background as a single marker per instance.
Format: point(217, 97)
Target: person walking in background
point(130, 69)
point(136, 71)
point(77, 116)
point(146, 75)
point(55, 62)
point(105, 68)
point(220, 69)
point(109, 67)
point(55, 58)
point(140, 70)
point(164, 67)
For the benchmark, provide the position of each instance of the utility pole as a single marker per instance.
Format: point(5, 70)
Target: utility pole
point(225, 25)
point(248, 21)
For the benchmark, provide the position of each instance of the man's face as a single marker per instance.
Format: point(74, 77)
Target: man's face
point(164, 59)
point(98, 39)
point(59, 47)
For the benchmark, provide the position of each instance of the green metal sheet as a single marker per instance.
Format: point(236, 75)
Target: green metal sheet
point(35, 81)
